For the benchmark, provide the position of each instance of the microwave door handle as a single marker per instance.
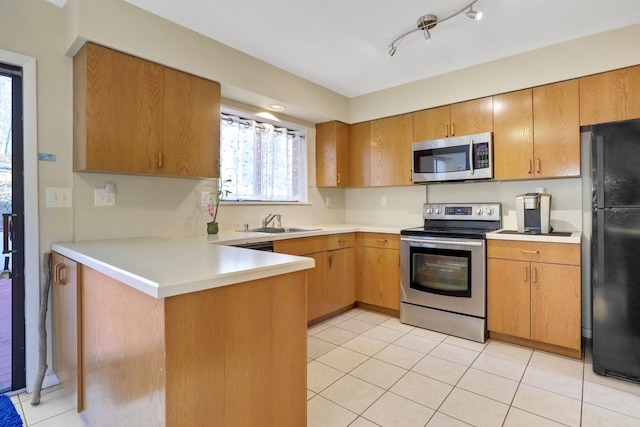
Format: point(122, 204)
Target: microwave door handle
point(442, 242)
point(471, 158)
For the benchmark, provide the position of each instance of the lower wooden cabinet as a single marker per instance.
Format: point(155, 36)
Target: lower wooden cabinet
point(66, 315)
point(534, 294)
point(331, 285)
point(379, 270)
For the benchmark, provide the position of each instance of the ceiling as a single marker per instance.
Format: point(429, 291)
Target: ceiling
point(343, 45)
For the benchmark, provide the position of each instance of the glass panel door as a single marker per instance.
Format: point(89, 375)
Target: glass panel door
point(441, 271)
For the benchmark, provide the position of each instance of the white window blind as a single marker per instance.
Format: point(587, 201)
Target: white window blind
point(261, 162)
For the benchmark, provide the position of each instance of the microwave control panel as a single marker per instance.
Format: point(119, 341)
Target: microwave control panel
point(481, 155)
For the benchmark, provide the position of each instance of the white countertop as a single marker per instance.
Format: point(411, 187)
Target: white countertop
point(168, 266)
point(502, 234)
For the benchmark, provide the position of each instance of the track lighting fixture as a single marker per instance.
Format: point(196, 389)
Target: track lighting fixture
point(429, 21)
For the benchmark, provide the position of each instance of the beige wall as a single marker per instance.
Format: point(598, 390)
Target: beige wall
point(150, 205)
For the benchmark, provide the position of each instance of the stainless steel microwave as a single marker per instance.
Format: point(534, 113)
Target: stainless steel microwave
point(459, 158)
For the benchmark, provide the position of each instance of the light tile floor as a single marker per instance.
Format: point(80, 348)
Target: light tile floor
point(367, 369)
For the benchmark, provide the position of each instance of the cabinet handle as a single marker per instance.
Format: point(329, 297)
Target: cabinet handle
point(537, 165)
point(453, 129)
point(60, 275)
point(330, 260)
point(530, 167)
point(381, 240)
point(534, 276)
point(159, 159)
point(338, 177)
point(525, 251)
point(446, 130)
point(526, 275)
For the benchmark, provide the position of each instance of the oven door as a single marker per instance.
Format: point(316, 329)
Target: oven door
point(444, 273)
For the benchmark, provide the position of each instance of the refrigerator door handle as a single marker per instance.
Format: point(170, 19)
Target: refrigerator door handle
point(600, 243)
point(599, 202)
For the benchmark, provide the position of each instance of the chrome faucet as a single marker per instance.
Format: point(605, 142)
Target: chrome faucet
point(271, 217)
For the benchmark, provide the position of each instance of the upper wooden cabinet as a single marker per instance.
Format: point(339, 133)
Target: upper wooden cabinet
point(390, 147)
point(132, 116)
point(332, 155)
point(537, 132)
point(463, 118)
point(610, 97)
point(360, 143)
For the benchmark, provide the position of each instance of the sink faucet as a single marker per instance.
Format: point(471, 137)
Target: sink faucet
point(271, 217)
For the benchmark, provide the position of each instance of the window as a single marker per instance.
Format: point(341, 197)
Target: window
point(261, 162)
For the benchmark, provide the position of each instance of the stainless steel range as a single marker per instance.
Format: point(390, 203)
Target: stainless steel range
point(443, 269)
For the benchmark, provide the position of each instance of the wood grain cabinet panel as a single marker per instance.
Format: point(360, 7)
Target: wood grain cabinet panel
point(341, 278)
point(66, 317)
point(391, 140)
point(332, 155)
point(610, 96)
point(360, 154)
point(513, 135)
point(531, 302)
point(132, 116)
point(379, 271)
point(463, 118)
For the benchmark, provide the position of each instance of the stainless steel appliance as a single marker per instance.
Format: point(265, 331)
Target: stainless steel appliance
point(615, 244)
point(458, 158)
point(443, 269)
point(533, 213)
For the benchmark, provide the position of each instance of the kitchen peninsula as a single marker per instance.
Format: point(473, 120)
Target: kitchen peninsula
point(180, 331)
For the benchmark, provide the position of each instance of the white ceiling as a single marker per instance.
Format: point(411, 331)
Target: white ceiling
point(343, 45)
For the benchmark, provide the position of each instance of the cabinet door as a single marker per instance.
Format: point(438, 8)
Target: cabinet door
point(555, 304)
point(508, 297)
point(332, 154)
point(66, 318)
point(341, 280)
point(317, 287)
point(610, 97)
point(118, 112)
point(556, 130)
point(380, 277)
point(431, 124)
point(470, 117)
point(360, 155)
point(513, 135)
point(191, 126)
point(391, 140)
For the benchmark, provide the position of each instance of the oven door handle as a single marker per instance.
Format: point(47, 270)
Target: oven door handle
point(443, 242)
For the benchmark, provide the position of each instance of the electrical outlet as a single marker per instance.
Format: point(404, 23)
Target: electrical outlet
point(383, 201)
point(59, 197)
point(205, 198)
point(102, 198)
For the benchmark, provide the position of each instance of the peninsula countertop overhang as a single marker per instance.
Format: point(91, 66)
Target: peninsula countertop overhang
point(169, 266)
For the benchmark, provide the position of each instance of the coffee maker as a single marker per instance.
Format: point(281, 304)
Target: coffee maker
point(533, 211)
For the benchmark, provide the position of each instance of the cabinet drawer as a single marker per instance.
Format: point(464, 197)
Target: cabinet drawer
point(381, 240)
point(339, 241)
point(301, 246)
point(553, 253)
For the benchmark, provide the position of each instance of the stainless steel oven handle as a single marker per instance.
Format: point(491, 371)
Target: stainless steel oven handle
point(443, 242)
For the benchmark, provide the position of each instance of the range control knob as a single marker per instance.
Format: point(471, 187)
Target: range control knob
point(429, 210)
point(479, 211)
point(438, 211)
point(490, 211)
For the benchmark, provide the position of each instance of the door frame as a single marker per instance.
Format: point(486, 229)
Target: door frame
point(31, 232)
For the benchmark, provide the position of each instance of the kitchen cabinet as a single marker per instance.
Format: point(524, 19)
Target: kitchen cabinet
point(331, 285)
point(463, 118)
point(332, 154)
point(132, 116)
point(360, 144)
point(534, 294)
point(537, 132)
point(379, 271)
point(390, 150)
point(66, 317)
point(610, 96)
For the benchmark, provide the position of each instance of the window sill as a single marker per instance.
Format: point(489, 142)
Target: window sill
point(258, 202)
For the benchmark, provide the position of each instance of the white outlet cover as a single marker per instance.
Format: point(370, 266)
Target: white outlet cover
point(102, 198)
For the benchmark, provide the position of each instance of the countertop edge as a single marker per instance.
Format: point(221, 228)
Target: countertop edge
point(574, 238)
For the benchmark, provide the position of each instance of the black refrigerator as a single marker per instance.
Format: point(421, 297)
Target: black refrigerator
point(615, 249)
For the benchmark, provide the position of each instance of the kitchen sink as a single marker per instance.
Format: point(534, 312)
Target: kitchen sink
point(281, 230)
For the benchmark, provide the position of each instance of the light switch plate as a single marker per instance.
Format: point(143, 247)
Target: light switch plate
point(59, 197)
